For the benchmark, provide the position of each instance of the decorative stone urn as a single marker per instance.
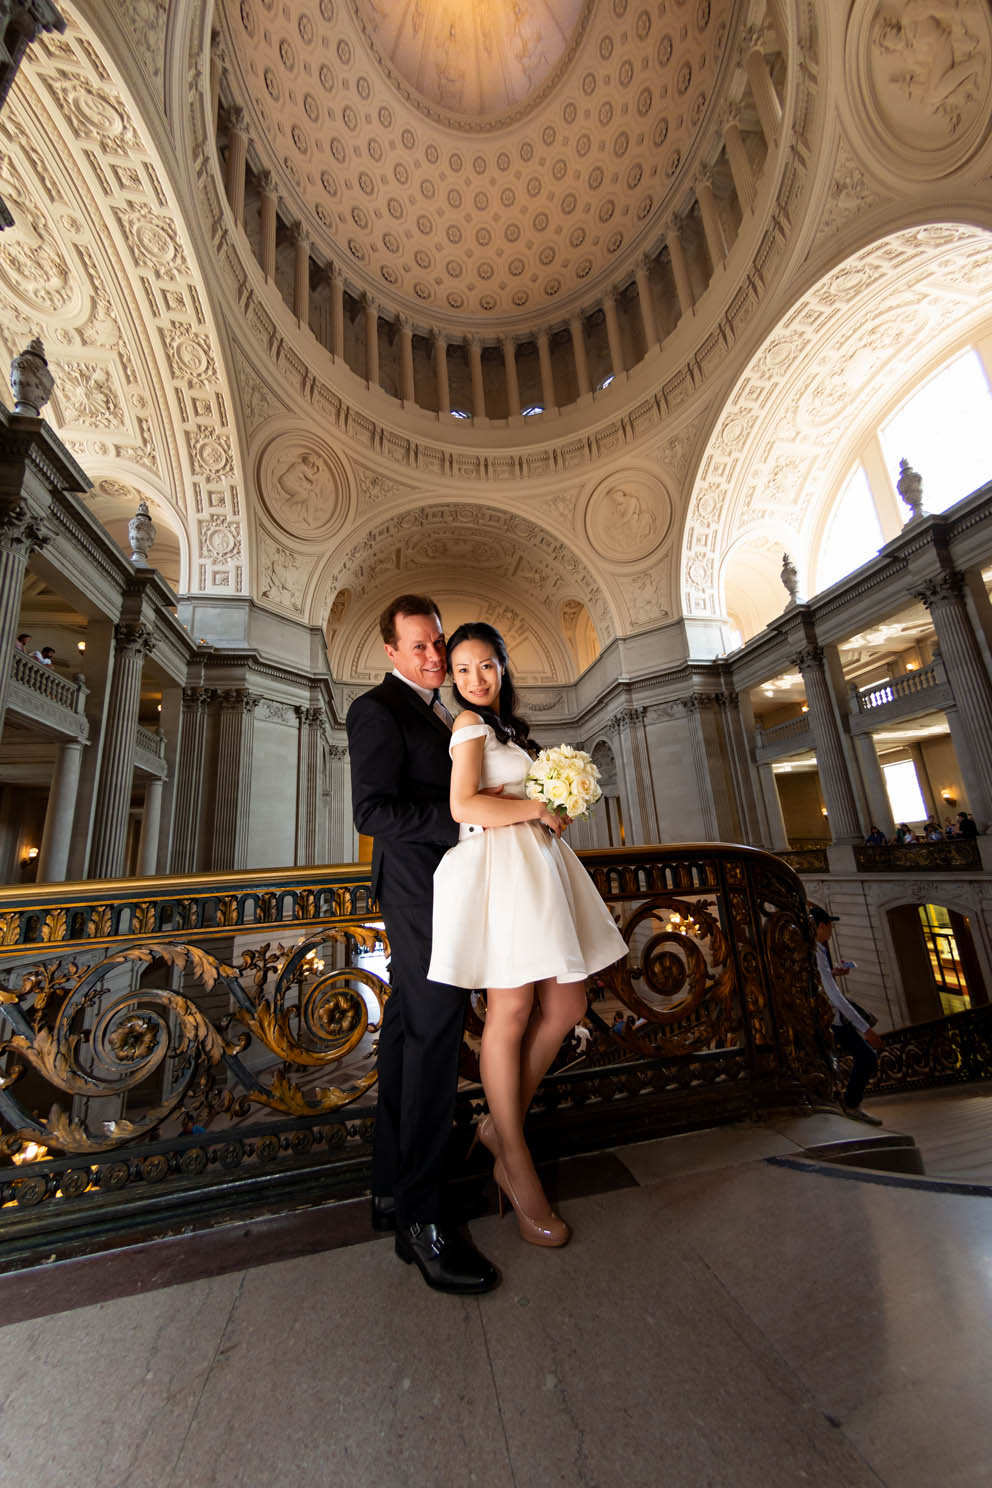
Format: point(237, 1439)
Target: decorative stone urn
point(910, 488)
point(142, 533)
point(790, 578)
point(30, 380)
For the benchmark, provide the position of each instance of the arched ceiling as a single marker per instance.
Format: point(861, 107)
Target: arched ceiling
point(474, 561)
point(817, 385)
point(453, 199)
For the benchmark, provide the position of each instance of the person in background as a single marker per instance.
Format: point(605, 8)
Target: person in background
point(875, 838)
point(967, 825)
point(46, 655)
point(21, 644)
point(852, 1032)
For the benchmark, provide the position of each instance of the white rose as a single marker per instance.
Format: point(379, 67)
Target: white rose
point(583, 784)
point(575, 806)
point(557, 792)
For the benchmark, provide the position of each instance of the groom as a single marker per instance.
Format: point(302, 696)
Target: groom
point(398, 735)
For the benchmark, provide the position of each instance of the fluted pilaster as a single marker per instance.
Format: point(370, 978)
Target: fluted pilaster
point(512, 380)
point(646, 303)
point(441, 373)
point(53, 860)
point(475, 370)
point(308, 786)
point(237, 734)
point(406, 359)
point(737, 157)
point(547, 375)
point(269, 196)
point(189, 787)
point(21, 534)
point(577, 333)
point(762, 89)
point(337, 312)
point(613, 332)
point(132, 643)
point(371, 341)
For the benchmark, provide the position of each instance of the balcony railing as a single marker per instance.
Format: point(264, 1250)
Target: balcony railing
point(953, 855)
point(182, 1043)
point(897, 688)
point(39, 693)
point(149, 750)
point(792, 728)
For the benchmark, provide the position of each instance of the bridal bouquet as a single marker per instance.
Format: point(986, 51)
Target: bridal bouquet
point(566, 780)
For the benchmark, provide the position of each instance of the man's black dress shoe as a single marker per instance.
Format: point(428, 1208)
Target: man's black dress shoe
point(447, 1261)
point(383, 1213)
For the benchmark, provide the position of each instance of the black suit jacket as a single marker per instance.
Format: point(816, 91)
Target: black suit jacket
point(400, 781)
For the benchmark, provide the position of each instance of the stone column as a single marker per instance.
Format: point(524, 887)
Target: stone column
point(151, 822)
point(189, 783)
point(216, 73)
point(842, 810)
point(613, 332)
point(680, 269)
point(970, 685)
point(547, 376)
point(712, 230)
point(21, 534)
point(308, 786)
point(634, 763)
point(512, 381)
point(737, 157)
point(99, 664)
point(270, 208)
point(874, 784)
point(406, 359)
point(441, 373)
point(301, 273)
point(53, 860)
point(778, 837)
point(478, 386)
point(646, 302)
point(371, 341)
point(132, 643)
point(577, 333)
point(237, 160)
point(337, 312)
point(762, 88)
point(237, 731)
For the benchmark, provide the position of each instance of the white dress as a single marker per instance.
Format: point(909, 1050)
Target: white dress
point(513, 904)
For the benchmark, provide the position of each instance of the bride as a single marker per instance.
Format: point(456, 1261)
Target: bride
point(514, 912)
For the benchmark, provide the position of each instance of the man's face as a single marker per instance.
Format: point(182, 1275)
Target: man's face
point(823, 933)
point(419, 651)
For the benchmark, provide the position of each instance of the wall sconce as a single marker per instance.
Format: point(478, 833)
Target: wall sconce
point(911, 666)
point(80, 647)
point(805, 707)
point(823, 810)
point(948, 797)
point(30, 854)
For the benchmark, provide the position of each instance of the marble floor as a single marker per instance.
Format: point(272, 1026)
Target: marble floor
point(719, 1319)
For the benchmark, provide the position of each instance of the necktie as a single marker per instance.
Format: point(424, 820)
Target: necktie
point(438, 707)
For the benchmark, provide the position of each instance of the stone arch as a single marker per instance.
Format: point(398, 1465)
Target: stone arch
point(141, 388)
point(476, 562)
point(786, 432)
point(750, 579)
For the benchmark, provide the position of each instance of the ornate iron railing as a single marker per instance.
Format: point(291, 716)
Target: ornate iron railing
point(176, 1044)
point(953, 855)
point(946, 1051)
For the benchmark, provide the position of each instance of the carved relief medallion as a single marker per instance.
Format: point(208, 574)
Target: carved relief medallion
point(628, 516)
point(303, 486)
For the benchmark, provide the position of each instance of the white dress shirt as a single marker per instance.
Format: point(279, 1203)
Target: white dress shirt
point(842, 1008)
point(427, 693)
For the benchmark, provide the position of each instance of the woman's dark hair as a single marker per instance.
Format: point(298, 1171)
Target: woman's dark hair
point(506, 723)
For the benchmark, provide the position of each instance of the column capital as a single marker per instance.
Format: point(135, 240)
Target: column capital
point(198, 699)
point(473, 341)
point(217, 50)
point(267, 184)
point(438, 336)
point(337, 752)
point(944, 588)
point(625, 719)
point(237, 119)
point(405, 324)
point(810, 658)
point(239, 700)
point(309, 717)
point(369, 302)
point(137, 639)
point(21, 531)
point(300, 235)
point(732, 114)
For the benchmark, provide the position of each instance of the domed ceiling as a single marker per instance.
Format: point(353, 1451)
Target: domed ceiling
point(503, 159)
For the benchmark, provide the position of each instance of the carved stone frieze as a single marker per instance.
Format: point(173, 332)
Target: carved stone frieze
point(303, 486)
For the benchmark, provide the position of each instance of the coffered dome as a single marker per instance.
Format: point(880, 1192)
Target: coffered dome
point(507, 167)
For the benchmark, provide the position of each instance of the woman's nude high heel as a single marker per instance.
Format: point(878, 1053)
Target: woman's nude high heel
point(553, 1233)
point(486, 1133)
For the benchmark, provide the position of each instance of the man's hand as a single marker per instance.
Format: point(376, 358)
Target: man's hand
point(871, 1038)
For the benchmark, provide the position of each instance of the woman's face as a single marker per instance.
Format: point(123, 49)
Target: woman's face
point(476, 672)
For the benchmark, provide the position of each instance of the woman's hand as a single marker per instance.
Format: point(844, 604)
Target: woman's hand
point(551, 820)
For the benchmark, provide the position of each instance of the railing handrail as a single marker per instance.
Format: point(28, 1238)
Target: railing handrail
point(151, 740)
point(789, 726)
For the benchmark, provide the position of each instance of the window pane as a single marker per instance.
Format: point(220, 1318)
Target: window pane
point(943, 431)
point(853, 532)
point(903, 789)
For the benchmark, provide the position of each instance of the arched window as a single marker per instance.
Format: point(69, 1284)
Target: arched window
point(943, 431)
point(853, 534)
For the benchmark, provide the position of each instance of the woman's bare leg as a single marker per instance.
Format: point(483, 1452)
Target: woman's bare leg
point(508, 1016)
point(558, 1006)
